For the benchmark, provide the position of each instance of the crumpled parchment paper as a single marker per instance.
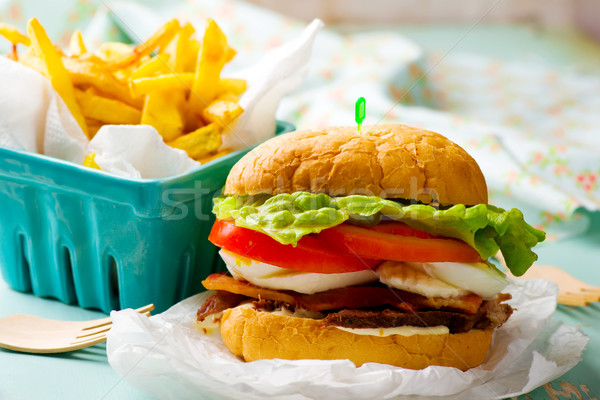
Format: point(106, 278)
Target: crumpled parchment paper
point(167, 357)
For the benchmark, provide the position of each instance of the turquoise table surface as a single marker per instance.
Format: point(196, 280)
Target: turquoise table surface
point(85, 374)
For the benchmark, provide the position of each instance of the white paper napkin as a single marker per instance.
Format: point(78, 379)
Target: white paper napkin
point(34, 118)
point(168, 358)
point(137, 151)
point(280, 72)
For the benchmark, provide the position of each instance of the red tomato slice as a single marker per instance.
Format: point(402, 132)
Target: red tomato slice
point(391, 241)
point(309, 255)
point(400, 228)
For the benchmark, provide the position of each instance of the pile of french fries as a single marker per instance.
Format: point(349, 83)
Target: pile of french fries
point(172, 81)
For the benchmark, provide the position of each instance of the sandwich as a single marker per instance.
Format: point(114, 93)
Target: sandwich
point(369, 245)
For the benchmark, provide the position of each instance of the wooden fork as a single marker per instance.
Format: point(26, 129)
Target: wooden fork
point(31, 334)
point(571, 291)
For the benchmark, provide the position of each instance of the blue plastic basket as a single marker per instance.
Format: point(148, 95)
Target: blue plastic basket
point(105, 242)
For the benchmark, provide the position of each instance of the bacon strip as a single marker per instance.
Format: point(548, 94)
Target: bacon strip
point(228, 284)
point(352, 297)
point(218, 302)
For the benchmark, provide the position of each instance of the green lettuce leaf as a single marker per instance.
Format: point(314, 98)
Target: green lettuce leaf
point(289, 217)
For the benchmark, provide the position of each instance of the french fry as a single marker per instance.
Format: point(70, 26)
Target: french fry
point(13, 55)
point(95, 92)
point(90, 161)
point(215, 52)
point(106, 110)
point(232, 85)
point(110, 52)
point(151, 67)
point(88, 73)
point(165, 82)
point(30, 59)
point(171, 81)
point(124, 75)
point(93, 126)
point(54, 69)
point(13, 34)
point(190, 55)
point(177, 48)
point(159, 39)
point(222, 112)
point(162, 110)
point(76, 45)
point(199, 143)
point(228, 97)
point(89, 57)
point(210, 157)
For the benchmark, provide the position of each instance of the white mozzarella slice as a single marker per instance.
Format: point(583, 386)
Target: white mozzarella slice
point(478, 278)
point(273, 277)
point(412, 278)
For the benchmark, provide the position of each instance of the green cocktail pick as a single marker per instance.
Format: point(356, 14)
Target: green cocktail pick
point(359, 111)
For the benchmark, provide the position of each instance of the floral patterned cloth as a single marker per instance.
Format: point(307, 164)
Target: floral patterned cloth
point(533, 129)
point(555, 116)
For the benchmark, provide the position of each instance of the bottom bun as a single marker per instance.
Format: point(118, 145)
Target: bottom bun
point(256, 335)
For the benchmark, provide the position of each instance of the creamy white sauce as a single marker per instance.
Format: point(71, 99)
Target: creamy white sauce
point(398, 330)
point(297, 313)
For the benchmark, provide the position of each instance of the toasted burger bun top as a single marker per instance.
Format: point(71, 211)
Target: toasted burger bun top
point(389, 161)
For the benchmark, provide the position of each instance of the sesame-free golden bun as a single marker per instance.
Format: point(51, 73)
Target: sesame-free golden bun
point(257, 335)
point(389, 161)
